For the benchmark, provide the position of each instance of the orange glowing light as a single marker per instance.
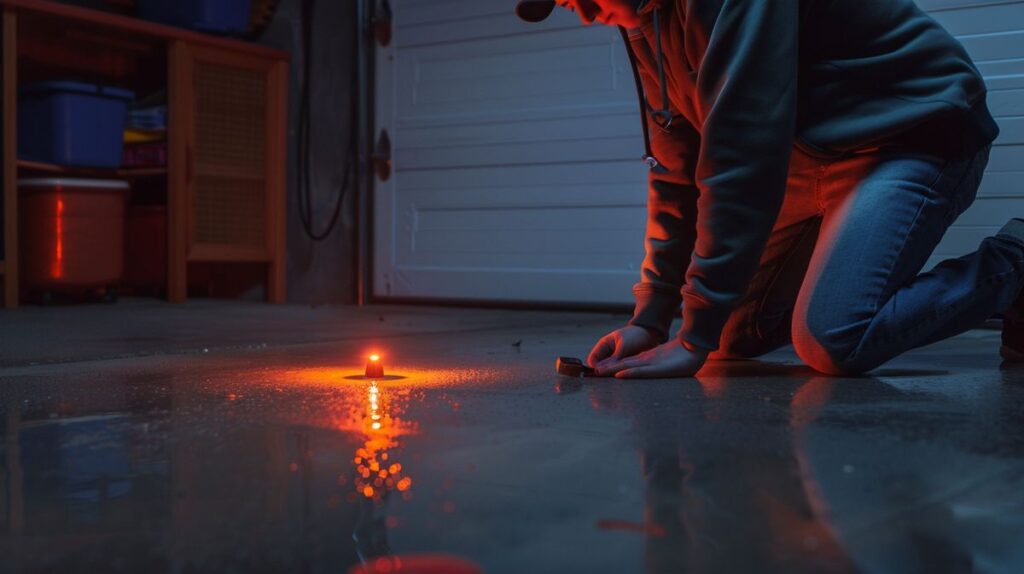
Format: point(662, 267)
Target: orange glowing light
point(58, 261)
point(368, 492)
point(374, 367)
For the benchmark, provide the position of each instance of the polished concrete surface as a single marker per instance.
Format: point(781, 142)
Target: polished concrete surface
point(234, 438)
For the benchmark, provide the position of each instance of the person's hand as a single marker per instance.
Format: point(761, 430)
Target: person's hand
point(671, 360)
point(619, 344)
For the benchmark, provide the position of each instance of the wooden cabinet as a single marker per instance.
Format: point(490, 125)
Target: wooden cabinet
point(227, 109)
point(229, 162)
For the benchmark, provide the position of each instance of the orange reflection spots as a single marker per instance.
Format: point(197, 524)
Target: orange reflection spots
point(376, 471)
point(58, 260)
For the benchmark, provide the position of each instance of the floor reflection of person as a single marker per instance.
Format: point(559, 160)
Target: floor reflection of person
point(806, 473)
point(725, 491)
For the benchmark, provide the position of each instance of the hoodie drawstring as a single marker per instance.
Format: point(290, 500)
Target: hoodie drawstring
point(663, 117)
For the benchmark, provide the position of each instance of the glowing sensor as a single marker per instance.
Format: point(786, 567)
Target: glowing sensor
point(374, 368)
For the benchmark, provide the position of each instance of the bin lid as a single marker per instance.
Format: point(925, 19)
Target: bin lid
point(76, 88)
point(48, 183)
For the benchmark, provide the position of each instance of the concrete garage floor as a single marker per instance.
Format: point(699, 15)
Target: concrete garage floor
point(223, 437)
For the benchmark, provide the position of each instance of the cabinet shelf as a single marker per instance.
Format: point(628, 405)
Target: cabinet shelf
point(120, 173)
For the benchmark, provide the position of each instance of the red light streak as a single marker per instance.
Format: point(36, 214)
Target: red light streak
point(58, 261)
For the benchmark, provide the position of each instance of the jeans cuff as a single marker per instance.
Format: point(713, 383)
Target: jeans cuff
point(1014, 231)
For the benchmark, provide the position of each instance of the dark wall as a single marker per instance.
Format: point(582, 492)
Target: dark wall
point(320, 272)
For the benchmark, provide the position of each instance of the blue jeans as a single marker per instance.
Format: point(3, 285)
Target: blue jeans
point(841, 275)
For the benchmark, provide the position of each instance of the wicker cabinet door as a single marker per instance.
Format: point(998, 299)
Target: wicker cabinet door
point(229, 192)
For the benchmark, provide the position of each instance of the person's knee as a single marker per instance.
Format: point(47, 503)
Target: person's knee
point(829, 344)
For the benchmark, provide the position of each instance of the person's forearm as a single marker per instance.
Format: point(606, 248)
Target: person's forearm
point(747, 92)
point(672, 214)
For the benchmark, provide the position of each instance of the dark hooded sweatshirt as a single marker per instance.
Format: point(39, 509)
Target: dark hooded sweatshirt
point(749, 79)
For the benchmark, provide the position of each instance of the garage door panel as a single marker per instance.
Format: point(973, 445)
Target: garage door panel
point(422, 13)
point(1011, 130)
point(561, 234)
point(986, 211)
point(511, 73)
point(497, 246)
point(940, 6)
point(534, 183)
point(593, 149)
point(531, 221)
point(1006, 102)
point(962, 235)
point(997, 47)
point(979, 18)
point(469, 21)
point(430, 95)
point(521, 131)
point(1004, 184)
point(1005, 158)
point(511, 284)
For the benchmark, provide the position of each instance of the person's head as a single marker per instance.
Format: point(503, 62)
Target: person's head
point(609, 12)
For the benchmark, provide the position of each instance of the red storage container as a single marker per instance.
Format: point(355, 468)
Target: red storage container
point(72, 233)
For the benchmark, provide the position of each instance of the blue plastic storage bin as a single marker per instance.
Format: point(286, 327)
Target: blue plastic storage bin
point(71, 123)
point(221, 16)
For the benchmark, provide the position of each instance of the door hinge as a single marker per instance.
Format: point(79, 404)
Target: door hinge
point(381, 158)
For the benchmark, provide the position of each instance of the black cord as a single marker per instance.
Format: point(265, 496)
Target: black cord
point(304, 177)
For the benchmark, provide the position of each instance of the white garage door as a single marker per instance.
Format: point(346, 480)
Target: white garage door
point(515, 152)
point(993, 33)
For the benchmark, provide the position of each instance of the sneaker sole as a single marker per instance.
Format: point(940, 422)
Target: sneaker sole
point(1011, 355)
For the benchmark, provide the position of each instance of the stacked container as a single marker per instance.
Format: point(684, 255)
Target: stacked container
point(72, 124)
point(72, 233)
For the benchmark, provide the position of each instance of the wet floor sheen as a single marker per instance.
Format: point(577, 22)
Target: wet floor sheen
point(276, 460)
